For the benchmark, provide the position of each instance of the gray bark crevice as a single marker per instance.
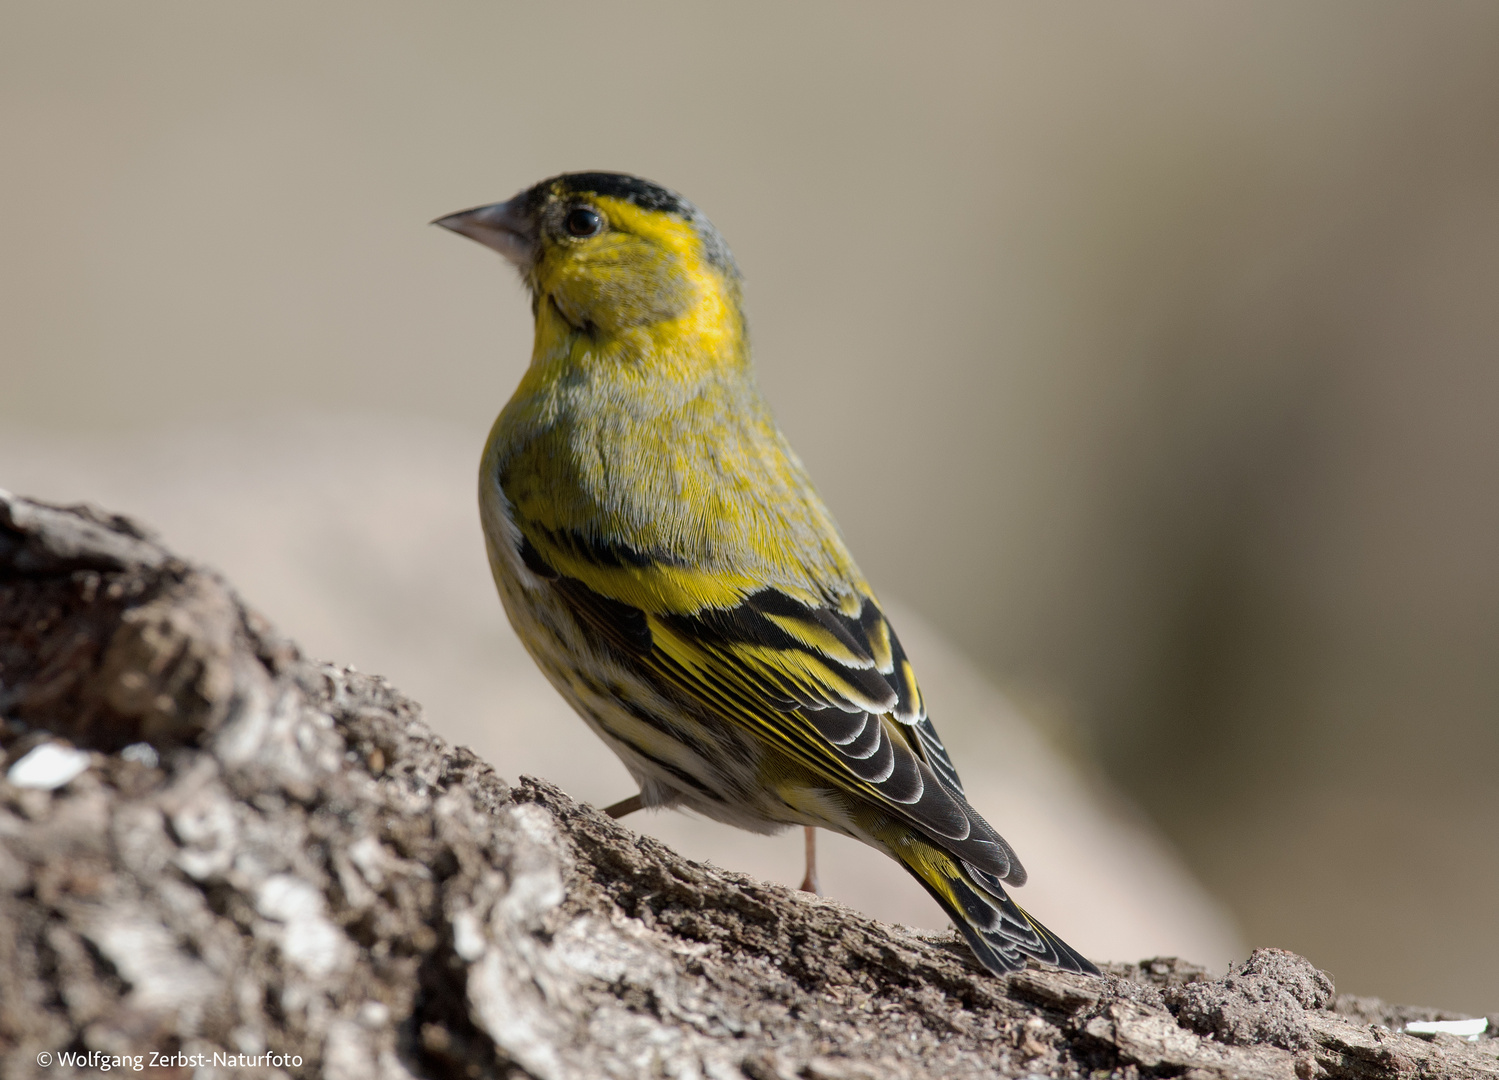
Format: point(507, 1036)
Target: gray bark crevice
point(267, 855)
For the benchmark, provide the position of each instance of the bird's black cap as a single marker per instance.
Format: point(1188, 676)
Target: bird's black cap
point(633, 189)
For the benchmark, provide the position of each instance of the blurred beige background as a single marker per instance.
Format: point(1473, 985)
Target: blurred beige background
point(1147, 352)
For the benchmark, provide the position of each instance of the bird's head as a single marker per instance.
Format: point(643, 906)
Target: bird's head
point(610, 253)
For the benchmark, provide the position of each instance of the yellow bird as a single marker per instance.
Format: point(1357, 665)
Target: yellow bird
point(662, 553)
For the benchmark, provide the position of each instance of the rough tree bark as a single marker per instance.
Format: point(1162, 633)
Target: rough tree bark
point(265, 855)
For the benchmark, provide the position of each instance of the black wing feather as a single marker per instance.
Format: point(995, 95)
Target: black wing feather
point(899, 761)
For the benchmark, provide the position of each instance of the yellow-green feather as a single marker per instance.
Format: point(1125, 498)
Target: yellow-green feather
point(652, 434)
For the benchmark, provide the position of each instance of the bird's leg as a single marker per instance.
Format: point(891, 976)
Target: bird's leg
point(624, 806)
point(809, 883)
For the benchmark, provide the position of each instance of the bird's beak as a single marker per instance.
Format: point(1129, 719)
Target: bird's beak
point(502, 226)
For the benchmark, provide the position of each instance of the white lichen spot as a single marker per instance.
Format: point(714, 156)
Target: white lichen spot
point(307, 938)
point(368, 855)
point(145, 953)
point(48, 767)
point(468, 936)
point(1468, 1029)
point(142, 753)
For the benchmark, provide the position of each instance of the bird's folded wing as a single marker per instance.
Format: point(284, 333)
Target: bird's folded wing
point(828, 685)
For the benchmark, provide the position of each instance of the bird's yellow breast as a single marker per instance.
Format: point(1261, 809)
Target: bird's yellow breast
point(638, 456)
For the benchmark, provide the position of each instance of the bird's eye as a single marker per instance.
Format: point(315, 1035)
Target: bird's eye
point(583, 221)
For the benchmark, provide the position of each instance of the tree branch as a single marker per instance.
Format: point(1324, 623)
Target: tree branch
point(266, 855)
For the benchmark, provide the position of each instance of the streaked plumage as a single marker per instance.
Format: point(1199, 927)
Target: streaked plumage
point(663, 555)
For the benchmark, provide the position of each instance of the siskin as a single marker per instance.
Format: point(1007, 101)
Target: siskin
point(665, 559)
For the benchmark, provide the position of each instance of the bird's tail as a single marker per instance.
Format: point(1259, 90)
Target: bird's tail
point(999, 931)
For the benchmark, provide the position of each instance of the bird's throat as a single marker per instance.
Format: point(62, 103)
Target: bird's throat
point(703, 340)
